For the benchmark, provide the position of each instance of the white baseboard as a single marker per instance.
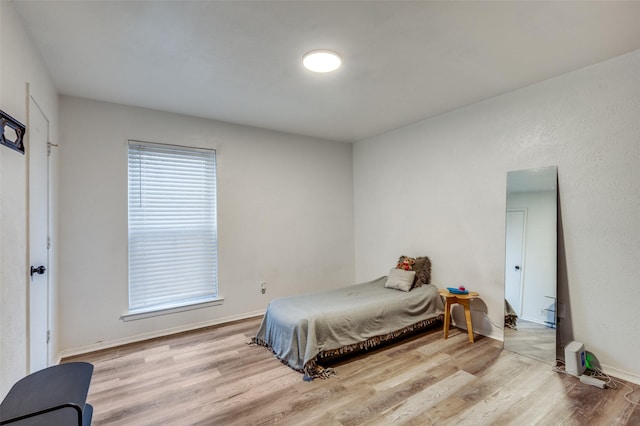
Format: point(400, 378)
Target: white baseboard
point(482, 325)
point(621, 374)
point(490, 333)
point(158, 333)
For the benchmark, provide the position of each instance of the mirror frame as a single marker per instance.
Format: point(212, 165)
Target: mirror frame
point(533, 192)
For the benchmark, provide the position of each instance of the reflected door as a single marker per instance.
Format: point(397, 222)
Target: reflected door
point(513, 264)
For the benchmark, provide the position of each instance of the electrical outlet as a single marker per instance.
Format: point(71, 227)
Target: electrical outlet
point(263, 287)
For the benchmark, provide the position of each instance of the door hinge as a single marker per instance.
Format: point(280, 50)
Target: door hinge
point(48, 336)
point(48, 243)
point(49, 145)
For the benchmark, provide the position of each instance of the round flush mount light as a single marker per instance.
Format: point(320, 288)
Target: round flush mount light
point(321, 60)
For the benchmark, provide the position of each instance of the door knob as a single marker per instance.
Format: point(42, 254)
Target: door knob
point(39, 270)
point(517, 267)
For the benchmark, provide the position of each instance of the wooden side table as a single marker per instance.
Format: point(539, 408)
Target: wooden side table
point(461, 299)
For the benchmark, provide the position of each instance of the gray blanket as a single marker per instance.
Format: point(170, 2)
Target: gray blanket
point(298, 328)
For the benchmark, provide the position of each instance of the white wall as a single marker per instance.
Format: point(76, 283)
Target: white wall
point(438, 188)
point(539, 269)
point(20, 64)
point(285, 216)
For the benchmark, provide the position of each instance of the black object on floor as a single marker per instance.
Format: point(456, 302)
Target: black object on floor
point(54, 396)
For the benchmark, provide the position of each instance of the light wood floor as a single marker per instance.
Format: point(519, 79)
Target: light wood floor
point(212, 377)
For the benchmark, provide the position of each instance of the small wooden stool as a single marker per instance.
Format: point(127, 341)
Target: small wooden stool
point(461, 299)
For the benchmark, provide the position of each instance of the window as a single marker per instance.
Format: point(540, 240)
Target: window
point(172, 227)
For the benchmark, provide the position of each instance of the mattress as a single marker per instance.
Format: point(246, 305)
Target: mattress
point(299, 330)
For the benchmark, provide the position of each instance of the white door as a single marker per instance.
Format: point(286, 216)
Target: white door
point(38, 131)
point(513, 273)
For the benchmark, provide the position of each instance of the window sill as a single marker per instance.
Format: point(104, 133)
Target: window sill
point(142, 314)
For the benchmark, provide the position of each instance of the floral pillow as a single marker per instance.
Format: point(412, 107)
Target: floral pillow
point(421, 266)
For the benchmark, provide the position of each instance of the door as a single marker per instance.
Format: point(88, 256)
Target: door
point(514, 259)
point(38, 131)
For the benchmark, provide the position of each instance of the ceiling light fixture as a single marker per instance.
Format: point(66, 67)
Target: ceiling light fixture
point(321, 60)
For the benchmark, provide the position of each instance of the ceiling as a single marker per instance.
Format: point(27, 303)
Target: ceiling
point(241, 61)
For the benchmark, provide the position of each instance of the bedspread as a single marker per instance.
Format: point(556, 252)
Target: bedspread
point(300, 328)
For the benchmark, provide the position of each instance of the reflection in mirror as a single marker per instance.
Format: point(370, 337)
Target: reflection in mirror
point(530, 263)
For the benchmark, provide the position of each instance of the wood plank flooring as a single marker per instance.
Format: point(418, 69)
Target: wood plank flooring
point(212, 377)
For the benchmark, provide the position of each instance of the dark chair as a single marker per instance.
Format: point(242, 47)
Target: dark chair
point(55, 396)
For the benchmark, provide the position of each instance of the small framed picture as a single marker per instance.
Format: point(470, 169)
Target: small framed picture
point(11, 132)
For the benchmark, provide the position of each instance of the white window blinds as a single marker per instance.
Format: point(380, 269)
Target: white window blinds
point(172, 226)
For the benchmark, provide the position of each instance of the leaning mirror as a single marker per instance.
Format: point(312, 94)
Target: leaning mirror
point(530, 263)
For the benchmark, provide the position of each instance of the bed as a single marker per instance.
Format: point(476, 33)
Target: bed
point(302, 330)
